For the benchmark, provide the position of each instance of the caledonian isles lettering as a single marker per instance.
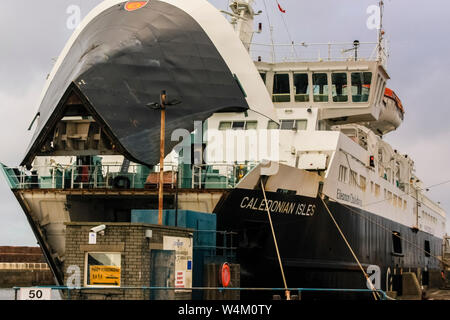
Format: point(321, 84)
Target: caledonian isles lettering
point(275, 206)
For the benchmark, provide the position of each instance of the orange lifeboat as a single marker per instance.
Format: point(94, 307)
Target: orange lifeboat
point(391, 114)
point(390, 94)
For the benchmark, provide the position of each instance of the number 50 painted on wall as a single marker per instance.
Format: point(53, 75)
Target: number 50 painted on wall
point(35, 294)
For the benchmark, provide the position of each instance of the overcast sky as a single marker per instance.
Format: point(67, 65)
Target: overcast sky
point(33, 34)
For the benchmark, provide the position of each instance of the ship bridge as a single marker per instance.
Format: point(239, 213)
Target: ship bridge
point(345, 85)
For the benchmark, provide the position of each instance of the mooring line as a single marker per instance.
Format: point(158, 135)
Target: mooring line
point(288, 295)
point(390, 231)
point(374, 290)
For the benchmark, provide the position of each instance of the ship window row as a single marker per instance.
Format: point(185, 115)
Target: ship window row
point(428, 217)
point(353, 179)
point(238, 125)
point(394, 200)
point(323, 87)
point(345, 175)
point(287, 124)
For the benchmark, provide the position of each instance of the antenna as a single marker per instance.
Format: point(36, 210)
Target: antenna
point(271, 31)
point(381, 32)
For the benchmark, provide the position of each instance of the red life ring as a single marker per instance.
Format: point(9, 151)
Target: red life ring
point(225, 275)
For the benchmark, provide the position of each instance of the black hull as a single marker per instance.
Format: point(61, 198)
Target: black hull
point(313, 253)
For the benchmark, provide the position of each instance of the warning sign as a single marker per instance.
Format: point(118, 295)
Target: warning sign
point(180, 279)
point(183, 260)
point(104, 275)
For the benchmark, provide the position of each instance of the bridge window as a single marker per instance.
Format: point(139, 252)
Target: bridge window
point(281, 88)
point(301, 87)
point(361, 86)
point(320, 85)
point(339, 87)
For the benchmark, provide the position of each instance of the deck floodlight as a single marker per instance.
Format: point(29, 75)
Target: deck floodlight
point(154, 105)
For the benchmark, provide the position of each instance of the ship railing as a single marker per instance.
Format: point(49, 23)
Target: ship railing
point(115, 176)
point(311, 52)
point(219, 175)
point(111, 176)
point(216, 243)
point(68, 293)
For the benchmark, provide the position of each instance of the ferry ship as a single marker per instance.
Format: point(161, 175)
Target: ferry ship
point(329, 204)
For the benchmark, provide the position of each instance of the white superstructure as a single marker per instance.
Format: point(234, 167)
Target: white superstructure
point(332, 117)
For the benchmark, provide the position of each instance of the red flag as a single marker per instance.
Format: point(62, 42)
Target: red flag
point(281, 9)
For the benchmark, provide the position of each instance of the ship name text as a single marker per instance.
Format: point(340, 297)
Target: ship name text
point(349, 197)
point(275, 206)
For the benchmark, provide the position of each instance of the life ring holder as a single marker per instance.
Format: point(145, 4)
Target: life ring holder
point(225, 275)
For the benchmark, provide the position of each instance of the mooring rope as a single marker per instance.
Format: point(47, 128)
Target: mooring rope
point(390, 231)
point(288, 295)
point(374, 290)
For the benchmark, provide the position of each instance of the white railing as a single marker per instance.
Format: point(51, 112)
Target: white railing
point(310, 52)
point(83, 177)
point(23, 266)
point(219, 175)
point(113, 176)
